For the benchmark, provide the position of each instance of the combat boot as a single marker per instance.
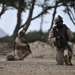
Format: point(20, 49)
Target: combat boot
point(66, 59)
point(70, 58)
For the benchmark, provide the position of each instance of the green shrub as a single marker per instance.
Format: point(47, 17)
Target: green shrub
point(37, 36)
point(6, 39)
point(32, 36)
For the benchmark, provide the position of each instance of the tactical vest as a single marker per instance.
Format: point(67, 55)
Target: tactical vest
point(63, 31)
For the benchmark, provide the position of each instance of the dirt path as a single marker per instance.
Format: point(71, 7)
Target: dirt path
point(35, 66)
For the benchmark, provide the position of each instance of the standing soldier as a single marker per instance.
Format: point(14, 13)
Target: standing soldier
point(63, 53)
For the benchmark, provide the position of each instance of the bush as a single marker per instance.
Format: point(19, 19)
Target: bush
point(32, 36)
point(40, 36)
point(37, 36)
point(6, 39)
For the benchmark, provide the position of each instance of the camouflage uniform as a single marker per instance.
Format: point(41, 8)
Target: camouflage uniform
point(63, 54)
point(21, 47)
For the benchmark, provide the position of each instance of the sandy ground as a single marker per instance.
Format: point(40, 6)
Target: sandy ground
point(42, 63)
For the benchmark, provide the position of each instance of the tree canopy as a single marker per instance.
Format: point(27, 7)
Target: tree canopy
point(24, 5)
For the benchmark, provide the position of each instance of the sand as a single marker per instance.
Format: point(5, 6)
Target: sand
point(42, 63)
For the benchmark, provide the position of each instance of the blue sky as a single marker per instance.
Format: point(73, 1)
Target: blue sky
point(8, 20)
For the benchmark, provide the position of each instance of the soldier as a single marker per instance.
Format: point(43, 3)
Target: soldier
point(63, 53)
point(22, 48)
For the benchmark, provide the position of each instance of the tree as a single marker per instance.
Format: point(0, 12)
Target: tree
point(23, 5)
point(18, 18)
point(4, 7)
point(27, 23)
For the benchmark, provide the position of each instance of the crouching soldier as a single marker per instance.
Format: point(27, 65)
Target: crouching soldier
point(22, 48)
point(64, 54)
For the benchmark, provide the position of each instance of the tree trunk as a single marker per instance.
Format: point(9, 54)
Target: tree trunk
point(54, 13)
point(27, 24)
point(18, 19)
point(4, 8)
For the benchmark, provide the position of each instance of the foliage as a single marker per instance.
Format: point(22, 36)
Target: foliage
point(32, 36)
point(37, 36)
point(6, 39)
point(24, 5)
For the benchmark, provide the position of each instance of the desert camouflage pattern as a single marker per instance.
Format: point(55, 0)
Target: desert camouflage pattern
point(21, 50)
point(62, 52)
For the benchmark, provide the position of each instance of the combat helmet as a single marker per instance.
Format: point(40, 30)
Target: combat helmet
point(58, 19)
point(21, 33)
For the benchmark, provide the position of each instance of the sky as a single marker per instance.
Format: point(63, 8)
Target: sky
point(8, 20)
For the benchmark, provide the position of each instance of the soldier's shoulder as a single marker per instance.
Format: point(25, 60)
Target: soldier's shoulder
point(65, 26)
point(54, 27)
point(17, 38)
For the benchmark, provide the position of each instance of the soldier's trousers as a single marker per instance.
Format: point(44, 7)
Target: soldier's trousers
point(61, 53)
point(21, 54)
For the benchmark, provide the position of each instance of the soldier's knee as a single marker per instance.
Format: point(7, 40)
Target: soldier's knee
point(10, 58)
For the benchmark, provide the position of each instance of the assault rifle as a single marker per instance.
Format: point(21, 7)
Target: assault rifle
point(64, 41)
point(28, 47)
